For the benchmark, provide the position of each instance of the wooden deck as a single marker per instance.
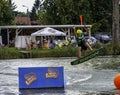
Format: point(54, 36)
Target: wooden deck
point(27, 54)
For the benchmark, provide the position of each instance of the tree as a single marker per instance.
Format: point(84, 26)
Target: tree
point(98, 13)
point(115, 27)
point(101, 14)
point(65, 11)
point(36, 7)
point(12, 4)
point(6, 13)
point(33, 14)
point(68, 12)
point(37, 4)
point(51, 12)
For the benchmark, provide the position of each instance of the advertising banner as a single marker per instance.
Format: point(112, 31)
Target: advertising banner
point(41, 77)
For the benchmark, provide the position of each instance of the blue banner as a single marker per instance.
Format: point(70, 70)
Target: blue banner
point(41, 77)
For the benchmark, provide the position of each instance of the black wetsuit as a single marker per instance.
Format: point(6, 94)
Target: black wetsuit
point(81, 42)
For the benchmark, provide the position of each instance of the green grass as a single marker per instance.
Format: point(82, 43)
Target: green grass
point(8, 53)
point(56, 52)
point(13, 53)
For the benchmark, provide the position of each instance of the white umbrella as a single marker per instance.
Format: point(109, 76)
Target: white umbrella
point(48, 32)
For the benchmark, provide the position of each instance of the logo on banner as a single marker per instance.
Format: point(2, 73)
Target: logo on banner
point(52, 73)
point(30, 78)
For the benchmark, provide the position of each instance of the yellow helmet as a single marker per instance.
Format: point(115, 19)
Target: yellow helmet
point(79, 31)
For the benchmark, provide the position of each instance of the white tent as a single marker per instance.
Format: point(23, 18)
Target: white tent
point(48, 32)
point(20, 41)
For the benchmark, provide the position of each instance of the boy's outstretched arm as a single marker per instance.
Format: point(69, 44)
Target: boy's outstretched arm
point(87, 31)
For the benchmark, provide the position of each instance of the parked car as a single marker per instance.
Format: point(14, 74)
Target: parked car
point(91, 39)
point(104, 38)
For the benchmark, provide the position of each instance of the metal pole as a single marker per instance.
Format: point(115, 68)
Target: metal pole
point(8, 37)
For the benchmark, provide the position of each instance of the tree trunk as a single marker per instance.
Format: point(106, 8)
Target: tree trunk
point(115, 27)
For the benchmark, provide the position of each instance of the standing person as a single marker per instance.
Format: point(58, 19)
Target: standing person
point(51, 43)
point(82, 43)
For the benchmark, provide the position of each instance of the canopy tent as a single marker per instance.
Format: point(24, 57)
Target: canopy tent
point(22, 41)
point(48, 32)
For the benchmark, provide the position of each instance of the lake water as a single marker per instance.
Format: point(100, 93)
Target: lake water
point(93, 77)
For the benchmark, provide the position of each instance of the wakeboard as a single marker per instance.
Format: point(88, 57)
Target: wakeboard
point(87, 57)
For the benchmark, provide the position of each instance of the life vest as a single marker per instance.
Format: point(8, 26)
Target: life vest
point(80, 39)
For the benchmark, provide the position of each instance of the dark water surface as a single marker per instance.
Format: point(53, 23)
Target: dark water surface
point(93, 77)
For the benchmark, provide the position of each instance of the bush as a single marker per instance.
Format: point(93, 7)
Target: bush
point(10, 53)
point(56, 52)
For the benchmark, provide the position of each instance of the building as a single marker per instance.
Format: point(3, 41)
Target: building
point(9, 33)
point(22, 20)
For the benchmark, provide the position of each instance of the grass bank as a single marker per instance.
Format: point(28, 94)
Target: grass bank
point(13, 53)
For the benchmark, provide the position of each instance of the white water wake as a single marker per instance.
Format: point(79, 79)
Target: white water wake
point(73, 81)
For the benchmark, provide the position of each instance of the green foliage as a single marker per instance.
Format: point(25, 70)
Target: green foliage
point(95, 28)
point(42, 17)
point(37, 4)
point(108, 50)
point(8, 53)
point(12, 4)
point(56, 52)
point(116, 49)
point(33, 14)
point(101, 13)
point(94, 12)
point(35, 9)
point(6, 13)
point(97, 13)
